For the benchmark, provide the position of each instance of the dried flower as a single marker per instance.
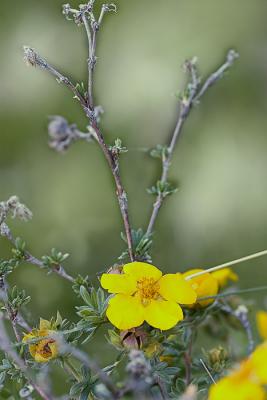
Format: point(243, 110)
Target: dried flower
point(45, 349)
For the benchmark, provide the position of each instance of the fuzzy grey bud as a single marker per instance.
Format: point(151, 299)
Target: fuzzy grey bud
point(138, 366)
point(62, 134)
point(16, 208)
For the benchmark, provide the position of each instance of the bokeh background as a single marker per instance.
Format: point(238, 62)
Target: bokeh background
point(220, 211)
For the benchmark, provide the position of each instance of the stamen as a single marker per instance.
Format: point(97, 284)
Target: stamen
point(147, 289)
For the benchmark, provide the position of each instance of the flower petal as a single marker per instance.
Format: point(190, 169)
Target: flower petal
point(204, 285)
point(39, 358)
point(227, 389)
point(174, 287)
point(139, 270)
point(261, 318)
point(224, 275)
point(118, 283)
point(258, 359)
point(163, 314)
point(44, 324)
point(125, 312)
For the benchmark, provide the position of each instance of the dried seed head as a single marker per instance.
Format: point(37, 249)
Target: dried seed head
point(138, 366)
point(32, 58)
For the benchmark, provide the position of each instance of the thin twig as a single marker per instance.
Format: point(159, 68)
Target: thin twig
point(207, 370)
point(228, 264)
point(162, 389)
point(66, 348)
point(111, 159)
point(12, 316)
point(234, 293)
point(185, 108)
point(89, 63)
point(241, 313)
point(35, 261)
point(35, 59)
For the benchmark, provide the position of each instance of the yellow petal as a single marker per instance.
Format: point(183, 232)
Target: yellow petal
point(261, 318)
point(28, 336)
point(174, 287)
point(125, 312)
point(118, 283)
point(204, 285)
point(224, 275)
point(258, 359)
point(39, 358)
point(32, 349)
point(139, 270)
point(163, 314)
point(227, 389)
point(44, 324)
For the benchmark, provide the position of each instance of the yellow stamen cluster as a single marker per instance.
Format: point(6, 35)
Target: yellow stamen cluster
point(147, 289)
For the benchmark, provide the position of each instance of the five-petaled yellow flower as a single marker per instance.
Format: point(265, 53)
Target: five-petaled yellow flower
point(204, 285)
point(224, 275)
point(261, 318)
point(43, 350)
point(245, 383)
point(142, 293)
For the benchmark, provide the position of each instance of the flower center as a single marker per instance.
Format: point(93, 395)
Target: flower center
point(43, 348)
point(147, 289)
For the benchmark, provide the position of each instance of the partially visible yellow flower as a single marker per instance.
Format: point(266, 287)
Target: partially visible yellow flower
point(43, 350)
point(258, 360)
point(204, 285)
point(261, 318)
point(224, 275)
point(245, 383)
point(142, 293)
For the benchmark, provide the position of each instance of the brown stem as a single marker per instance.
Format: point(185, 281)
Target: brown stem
point(185, 108)
point(120, 192)
point(112, 160)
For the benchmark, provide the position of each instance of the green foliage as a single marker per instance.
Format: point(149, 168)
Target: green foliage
point(160, 151)
point(81, 281)
point(7, 266)
point(54, 260)
point(19, 250)
point(8, 370)
point(18, 298)
point(81, 87)
point(93, 313)
point(118, 148)
point(142, 244)
point(162, 189)
point(85, 386)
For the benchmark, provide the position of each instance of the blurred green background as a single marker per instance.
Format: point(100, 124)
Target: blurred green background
point(220, 164)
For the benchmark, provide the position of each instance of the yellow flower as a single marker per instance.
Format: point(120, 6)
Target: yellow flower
point(258, 360)
point(204, 285)
point(224, 275)
point(261, 318)
point(45, 349)
point(142, 293)
point(245, 383)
